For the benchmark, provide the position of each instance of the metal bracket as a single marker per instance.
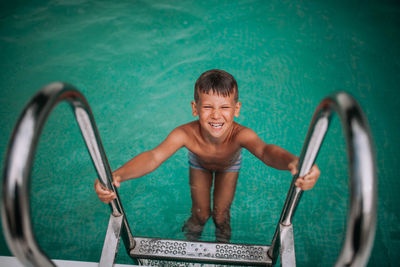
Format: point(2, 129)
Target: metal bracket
point(288, 257)
point(110, 247)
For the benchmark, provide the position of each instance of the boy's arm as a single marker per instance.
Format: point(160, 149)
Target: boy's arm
point(143, 163)
point(148, 161)
point(277, 157)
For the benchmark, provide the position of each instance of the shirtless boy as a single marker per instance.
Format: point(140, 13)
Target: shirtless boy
point(214, 142)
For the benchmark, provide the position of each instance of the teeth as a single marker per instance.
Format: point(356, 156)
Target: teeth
point(216, 125)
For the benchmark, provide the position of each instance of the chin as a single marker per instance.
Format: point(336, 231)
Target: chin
point(218, 132)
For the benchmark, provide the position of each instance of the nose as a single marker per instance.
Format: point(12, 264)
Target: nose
point(215, 114)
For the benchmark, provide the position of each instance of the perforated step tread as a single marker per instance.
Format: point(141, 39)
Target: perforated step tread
point(153, 248)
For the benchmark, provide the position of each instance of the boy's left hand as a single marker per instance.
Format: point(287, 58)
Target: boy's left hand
point(307, 181)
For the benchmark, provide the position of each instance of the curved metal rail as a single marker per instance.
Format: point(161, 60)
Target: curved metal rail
point(361, 219)
point(15, 210)
point(19, 159)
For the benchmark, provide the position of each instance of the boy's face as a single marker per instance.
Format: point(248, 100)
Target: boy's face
point(216, 113)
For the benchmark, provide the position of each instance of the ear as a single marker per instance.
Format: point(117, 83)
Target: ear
point(194, 109)
point(237, 108)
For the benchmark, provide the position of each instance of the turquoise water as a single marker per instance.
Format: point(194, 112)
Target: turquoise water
point(137, 61)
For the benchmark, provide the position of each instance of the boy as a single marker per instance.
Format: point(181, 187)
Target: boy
point(214, 142)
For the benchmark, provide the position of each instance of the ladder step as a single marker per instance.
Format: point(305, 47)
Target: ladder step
point(168, 249)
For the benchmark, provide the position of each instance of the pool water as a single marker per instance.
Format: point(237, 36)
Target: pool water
point(137, 62)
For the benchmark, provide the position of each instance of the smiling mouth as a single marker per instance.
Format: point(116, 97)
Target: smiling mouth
point(216, 125)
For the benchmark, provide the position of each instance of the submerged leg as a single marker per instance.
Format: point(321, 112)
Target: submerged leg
point(224, 192)
point(200, 188)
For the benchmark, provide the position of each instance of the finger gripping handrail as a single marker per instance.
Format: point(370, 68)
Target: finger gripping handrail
point(16, 219)
point(361, 218)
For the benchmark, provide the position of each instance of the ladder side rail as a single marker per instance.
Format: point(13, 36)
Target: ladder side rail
point(361, 217)
point(316, 133)
point(15, 207)
point(111, 243)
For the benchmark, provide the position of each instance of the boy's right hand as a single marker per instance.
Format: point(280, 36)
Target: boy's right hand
point(104, 194)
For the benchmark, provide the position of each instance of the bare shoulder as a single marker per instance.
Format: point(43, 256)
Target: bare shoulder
point(244, 134)
point(188, 128)
point(186, 131)
point(180, 131)
point(250, 140)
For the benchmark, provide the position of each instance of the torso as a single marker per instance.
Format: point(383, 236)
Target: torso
point(213, 156)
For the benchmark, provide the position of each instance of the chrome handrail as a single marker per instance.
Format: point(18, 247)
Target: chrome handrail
point(16, 219)
point(361, 218)
point(15, 210)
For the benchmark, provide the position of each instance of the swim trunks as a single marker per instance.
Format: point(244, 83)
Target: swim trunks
point(195, 164)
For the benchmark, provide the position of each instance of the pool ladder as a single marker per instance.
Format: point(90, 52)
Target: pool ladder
point(361, 220)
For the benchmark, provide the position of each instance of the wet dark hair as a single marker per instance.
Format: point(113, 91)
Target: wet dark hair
point(216, 81)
